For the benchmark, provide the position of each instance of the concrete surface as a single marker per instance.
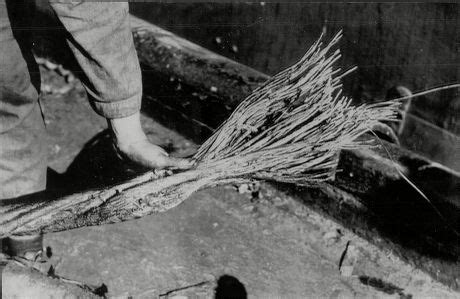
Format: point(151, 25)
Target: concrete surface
point(271, 246)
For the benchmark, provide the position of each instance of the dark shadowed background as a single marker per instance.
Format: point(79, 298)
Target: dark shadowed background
point(411, 44)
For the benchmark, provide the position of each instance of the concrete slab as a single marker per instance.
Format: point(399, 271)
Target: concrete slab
point(268, 247)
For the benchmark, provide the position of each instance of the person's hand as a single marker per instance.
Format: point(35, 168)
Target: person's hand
point(132, 143)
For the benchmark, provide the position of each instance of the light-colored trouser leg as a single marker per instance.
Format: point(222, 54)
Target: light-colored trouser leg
point(22, 133)
point(23, 157)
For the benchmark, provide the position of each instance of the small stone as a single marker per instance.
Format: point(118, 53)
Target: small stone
point(234, 49)
point(215, 224)
point(213, 89)
point(218, 40)
point(56, 148)
point(49, 65)
point(29, 256)
point(243, 188)
point(39, 60)
point(69, 78)
point(46, 88)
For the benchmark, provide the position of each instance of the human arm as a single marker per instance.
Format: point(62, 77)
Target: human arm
point(99, 36)
point(131, 142)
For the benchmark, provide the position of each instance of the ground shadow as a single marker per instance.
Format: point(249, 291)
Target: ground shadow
point(96, 165)
point(229, 287)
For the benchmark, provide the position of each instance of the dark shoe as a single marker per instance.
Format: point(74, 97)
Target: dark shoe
point(28, 251)
point(20, 245)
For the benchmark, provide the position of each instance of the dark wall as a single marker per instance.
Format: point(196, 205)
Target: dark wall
point(412, 44)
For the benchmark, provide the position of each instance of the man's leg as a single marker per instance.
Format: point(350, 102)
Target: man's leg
point(22, 132)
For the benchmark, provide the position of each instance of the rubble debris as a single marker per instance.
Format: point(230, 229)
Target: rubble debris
point(252, 188)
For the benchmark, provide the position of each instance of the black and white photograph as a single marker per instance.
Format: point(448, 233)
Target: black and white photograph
point(229, 149)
